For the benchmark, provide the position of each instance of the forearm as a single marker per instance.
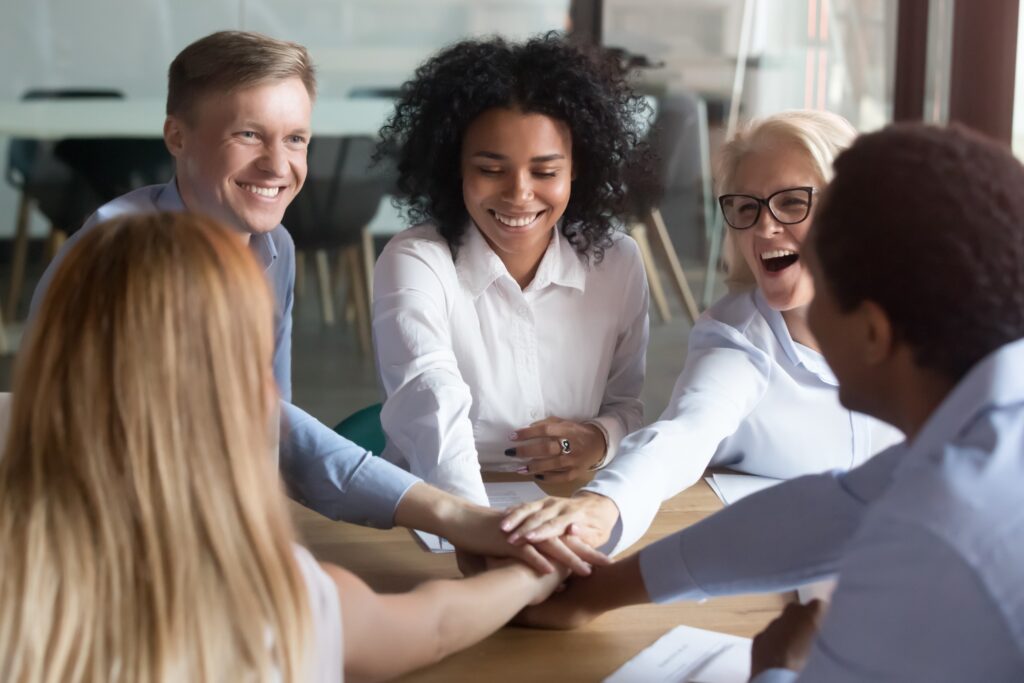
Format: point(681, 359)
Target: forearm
point(430, 509)
point(463, 612)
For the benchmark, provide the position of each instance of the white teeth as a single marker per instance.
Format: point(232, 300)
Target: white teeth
point(514, 222)
point(777, 253)
point(270, 192)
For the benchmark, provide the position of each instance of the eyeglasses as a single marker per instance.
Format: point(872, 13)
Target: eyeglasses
point(787, 207)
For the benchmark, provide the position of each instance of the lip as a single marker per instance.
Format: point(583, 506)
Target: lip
point(243, 186)
point(537, 216)
point(785, 272)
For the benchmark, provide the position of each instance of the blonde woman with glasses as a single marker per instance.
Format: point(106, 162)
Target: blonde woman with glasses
point(143, 529)
point(755, 394)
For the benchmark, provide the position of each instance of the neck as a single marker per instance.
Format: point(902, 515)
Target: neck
point(521, 266)
point(191, 202)
point(799, 330)
point(914, 395)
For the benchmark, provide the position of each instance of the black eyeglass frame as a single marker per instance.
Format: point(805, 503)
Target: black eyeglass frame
point(766, 202)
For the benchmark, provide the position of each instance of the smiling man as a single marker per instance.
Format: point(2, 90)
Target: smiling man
point(238, 125)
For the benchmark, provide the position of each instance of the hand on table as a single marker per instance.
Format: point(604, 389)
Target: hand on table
point(589, 517)
point(566, 609)
point(559, 450)
point(786, 642)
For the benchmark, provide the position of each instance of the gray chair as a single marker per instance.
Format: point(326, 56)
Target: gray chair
point(329, 217)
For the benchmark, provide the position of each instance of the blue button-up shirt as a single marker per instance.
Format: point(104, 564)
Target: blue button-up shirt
point(322, 469)
point(927, 539)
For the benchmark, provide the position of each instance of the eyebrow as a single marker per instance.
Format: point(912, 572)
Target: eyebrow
point(255, 125)
point(537, 160)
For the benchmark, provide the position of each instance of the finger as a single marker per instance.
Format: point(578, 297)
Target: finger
point(532, 557)
point(553, 519)
point(588, 534)
point(539, 448)
point(515, 516)
point(558, 476)
point(562, 554)
point(547, 427)
point(585, 552)
point(557, 463)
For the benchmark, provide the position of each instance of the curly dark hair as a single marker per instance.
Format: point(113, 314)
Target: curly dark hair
point(929, 224)
point(545, 75)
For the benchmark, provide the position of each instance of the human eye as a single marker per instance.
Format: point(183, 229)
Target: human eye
point(297, 140)
point(247, 135)
point(546, 173)
point(489, 170)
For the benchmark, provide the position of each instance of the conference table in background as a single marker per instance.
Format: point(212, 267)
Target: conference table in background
point(391, 561)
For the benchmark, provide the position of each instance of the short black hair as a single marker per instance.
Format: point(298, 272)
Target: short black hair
point(545, 75)
point(928, 223)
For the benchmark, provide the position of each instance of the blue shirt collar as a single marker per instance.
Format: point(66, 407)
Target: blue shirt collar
point(262, 245)
point(994, 382)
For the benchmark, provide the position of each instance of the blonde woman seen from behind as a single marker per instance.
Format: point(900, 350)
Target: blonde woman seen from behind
point(143, 530)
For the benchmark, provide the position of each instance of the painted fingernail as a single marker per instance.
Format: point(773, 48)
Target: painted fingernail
point(539, 476)
point(510, 452)
point(513, 436)
point(523, 470)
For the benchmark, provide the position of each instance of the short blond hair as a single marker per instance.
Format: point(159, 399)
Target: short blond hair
point(143, 530)
point(230, 60)
point(821, 135)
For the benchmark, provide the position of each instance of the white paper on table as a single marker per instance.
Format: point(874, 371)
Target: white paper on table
point(733, 487)
point(689, 654)
point(501, 495)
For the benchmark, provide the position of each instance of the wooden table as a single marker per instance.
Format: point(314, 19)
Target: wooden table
point(391, 561)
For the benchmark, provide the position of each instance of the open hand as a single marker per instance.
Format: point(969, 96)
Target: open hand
point(587, 516)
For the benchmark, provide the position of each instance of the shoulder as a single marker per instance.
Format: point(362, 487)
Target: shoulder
point(623, 255)
point(734, 322)
point(142, 200)
point(421, 242)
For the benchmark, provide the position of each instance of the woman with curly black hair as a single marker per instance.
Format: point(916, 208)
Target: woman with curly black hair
point(511, 323)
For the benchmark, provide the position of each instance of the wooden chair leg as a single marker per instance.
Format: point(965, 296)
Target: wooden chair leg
point(357, 284)
point(18, 257)
point(369, 258)
point(639, 233)
point(323, 277)
point(656, 224)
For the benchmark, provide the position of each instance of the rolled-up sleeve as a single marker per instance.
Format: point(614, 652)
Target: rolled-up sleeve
point(426, 414)
point(335, 477)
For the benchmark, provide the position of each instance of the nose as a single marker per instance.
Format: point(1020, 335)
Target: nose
point(766, 224)
point(274, 159)
point(520, 188)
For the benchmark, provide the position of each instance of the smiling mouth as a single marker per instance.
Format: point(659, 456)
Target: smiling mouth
point(268, 192)
point(778, 260)
point(515, 221)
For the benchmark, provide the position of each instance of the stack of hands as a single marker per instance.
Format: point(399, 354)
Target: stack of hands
point(559, 536)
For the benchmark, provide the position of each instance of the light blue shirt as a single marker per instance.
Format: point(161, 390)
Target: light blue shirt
point(748, 398)
point(323, 470)
point(927, 539)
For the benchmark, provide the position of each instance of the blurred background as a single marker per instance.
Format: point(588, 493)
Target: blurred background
point(705, 65)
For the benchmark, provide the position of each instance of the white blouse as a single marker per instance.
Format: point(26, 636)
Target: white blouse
point(466, 357)
point(324, 663)
point(748, 398)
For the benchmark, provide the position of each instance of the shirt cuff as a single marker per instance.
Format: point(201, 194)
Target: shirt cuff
point(666, 576)
point(637, 509)
point(775, 676)
point(613, 432)
point(460, 477)
point(376, 489)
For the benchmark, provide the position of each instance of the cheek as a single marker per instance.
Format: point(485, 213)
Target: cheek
point(744, 240)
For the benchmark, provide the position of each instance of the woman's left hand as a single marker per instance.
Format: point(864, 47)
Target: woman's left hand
point(559, 450)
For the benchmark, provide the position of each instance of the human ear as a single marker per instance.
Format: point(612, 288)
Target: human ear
point(878, 341)
point(174, 135)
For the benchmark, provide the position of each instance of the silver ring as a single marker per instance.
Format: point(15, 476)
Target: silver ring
point(566, 448)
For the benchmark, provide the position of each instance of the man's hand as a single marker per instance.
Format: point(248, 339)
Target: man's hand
point(587, 516)
point(786, 642)
point(559, 450)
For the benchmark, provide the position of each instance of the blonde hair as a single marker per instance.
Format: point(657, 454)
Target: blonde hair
point(230, 60)
point(821, 135)
point(143, 534)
